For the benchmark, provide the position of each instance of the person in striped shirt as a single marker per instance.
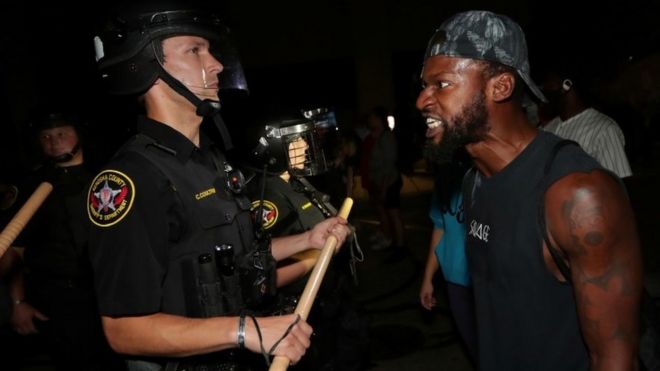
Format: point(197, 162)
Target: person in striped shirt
point(598, 134)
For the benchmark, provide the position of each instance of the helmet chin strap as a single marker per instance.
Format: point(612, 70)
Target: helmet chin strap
point(66, 157)
point(204, 108)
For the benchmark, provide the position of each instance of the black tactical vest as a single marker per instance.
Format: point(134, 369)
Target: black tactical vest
point(204, 273)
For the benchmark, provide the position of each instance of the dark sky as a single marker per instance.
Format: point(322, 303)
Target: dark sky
point(303, 51)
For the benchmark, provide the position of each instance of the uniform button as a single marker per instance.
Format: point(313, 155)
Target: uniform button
point(227, 216)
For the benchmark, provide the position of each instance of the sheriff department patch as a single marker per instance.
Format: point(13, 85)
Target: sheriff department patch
point(269, 214)
point(110, 198)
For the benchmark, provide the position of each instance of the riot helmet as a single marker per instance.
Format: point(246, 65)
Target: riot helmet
point(128, 49)
point(326, 130)
point(291, 145)
point(129, 52)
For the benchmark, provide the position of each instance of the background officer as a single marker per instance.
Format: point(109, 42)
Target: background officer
point(53, 293)
point(292, 149)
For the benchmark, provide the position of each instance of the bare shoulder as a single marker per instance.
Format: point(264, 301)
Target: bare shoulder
point(590, 218)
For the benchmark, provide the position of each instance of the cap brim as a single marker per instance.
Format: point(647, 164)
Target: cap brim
point(532, 86)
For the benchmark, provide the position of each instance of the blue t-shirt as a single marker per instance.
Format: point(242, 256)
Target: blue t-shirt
point(450, 251)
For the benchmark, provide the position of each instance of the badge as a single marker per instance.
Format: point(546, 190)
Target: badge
point(110, 198)
point(269, 214)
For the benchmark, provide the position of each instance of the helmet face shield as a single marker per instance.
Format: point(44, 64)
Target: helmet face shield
point(130, 51)
point(325, 132)
point(298, 157)
point(294, 145)
point(232, 76)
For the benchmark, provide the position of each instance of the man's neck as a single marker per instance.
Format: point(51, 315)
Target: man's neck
point(571, 108)
point(503, 143)
point(182, 119)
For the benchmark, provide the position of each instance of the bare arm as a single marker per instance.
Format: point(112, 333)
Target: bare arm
point(9, 262)
point(303, 262)
point(284, 247)
point(311, 241)
point(426, 291)
point(590, 219)
point(175, 336)
point(23, 313)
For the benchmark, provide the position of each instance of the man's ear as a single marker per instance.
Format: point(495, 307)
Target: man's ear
point(501, 87)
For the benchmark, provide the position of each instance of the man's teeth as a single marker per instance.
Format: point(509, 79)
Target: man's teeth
point(433, 123)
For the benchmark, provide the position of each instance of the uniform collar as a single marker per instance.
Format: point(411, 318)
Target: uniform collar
point(171, 139)
point(49, 168)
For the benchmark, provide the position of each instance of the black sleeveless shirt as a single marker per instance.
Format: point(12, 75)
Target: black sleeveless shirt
point(527, 319)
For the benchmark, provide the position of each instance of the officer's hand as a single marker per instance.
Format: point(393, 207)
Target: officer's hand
point(292, 346)
point(335, 226)
point(22, 318)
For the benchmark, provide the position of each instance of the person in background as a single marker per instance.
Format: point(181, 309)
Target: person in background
point(383, 182)
point(52, 292)
point(290, 204)
point(343, 167)
point(598, 134)
point(447, 246)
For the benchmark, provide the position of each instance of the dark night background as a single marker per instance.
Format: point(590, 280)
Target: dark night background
point(338, 53)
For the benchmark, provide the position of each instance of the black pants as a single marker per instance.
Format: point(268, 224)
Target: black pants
point(461, 304)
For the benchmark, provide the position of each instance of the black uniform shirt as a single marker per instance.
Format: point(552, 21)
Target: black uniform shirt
point(138, 216)
point(285, 211)
point(56, 237)
point(288, 210)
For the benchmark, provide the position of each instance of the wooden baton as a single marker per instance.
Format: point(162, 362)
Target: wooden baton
point(281, 363)
point(23, 216)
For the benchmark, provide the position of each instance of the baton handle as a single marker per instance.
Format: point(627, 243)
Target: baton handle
point(23, 216)
point(281, 363)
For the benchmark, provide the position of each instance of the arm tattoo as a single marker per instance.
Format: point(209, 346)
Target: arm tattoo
point(589, 239)
point(586, 225)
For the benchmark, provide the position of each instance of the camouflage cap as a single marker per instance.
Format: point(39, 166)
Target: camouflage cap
point(484, 35)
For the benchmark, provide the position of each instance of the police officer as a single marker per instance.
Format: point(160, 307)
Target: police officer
point(291, 149)
point(177, 266)
point(54, 294)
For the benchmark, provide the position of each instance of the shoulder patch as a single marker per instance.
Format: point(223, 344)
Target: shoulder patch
point(110, 198)
point(269, 214)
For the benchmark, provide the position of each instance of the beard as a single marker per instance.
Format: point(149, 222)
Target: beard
point(469, 126)
point(443, 152)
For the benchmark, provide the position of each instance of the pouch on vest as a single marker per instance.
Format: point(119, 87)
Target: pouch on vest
point(258, 274)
